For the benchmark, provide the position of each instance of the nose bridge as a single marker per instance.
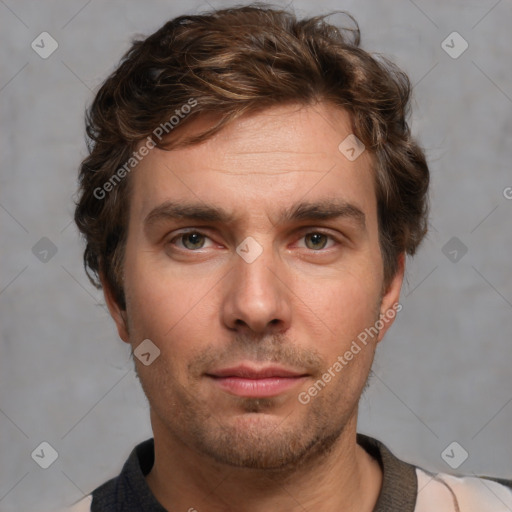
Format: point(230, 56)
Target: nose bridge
point(254, 269)
point(256, 297)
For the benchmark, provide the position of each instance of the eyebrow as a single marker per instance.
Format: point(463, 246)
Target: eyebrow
point(327, 209)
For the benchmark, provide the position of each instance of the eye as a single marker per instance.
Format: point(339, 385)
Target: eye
point(191, 241)
point(316, 240)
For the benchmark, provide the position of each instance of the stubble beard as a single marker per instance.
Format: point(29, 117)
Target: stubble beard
point(256, 438)
point(253, 440)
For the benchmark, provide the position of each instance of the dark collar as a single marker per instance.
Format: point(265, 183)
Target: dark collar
point(129, 491)
point(399, 483)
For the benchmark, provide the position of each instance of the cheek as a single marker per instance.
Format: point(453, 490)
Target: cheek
point(175, 311)
point(338, 307)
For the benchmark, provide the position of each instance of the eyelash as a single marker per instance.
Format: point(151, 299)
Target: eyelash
point(181, 235)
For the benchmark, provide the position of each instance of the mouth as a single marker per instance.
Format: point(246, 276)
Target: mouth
point(249, 381)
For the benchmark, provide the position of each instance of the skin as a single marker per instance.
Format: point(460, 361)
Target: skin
point(299, 304)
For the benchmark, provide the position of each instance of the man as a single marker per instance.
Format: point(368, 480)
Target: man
point(251, 193)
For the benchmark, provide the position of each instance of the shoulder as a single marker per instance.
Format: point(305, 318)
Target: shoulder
point(82, 505)
point(410, 488)
point(447, 493)
point(126, 491)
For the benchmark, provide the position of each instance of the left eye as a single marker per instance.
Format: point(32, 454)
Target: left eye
point(316, 240)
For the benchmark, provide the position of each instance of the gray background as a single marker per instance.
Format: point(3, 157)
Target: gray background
point(442, 374)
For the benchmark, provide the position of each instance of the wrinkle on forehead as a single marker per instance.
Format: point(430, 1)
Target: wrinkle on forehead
point(272, 162)
point(263, 173)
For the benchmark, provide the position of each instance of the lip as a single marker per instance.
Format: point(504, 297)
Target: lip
point(249, 381)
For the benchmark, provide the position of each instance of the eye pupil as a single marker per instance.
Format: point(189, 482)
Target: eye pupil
point(316, 238)
point(194, 238)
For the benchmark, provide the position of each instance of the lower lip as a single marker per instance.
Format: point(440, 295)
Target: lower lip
point(257, 388)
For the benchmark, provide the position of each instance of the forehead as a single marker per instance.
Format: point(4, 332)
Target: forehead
point(260, 163)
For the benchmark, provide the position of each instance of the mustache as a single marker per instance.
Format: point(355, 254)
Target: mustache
point(275, 348)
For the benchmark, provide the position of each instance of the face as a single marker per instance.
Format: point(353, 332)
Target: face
point(253, 263)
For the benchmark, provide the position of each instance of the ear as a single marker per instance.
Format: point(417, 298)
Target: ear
point(390, 300)
point(118, 315)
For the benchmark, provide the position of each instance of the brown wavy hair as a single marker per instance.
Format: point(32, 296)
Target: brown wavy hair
point(235, 61)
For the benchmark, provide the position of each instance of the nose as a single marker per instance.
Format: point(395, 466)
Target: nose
point(255, 298)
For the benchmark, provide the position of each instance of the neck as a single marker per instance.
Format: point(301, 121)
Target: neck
point(346, 478)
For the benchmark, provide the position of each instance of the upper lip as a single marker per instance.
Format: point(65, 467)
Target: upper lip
point(250, 372)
